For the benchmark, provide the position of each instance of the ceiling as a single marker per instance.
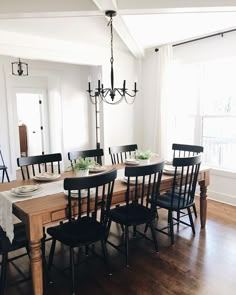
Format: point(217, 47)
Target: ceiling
point(139, 24)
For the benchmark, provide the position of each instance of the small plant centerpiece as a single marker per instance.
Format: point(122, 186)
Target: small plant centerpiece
point(81, 167)
point(143, 156)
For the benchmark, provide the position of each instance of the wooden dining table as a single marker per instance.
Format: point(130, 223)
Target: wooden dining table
point(39, 212)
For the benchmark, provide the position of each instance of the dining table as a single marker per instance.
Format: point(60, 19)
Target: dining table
point(37, 213)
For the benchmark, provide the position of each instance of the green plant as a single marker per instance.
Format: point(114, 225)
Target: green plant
point(140, 155)
point(83, 164)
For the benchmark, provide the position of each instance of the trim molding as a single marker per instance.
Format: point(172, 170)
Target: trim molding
point(230, 200)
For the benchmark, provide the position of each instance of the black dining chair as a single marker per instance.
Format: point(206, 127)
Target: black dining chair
point(143, 188)
point(119, 154)
point(87, 216)
point(3, 168)
point(182, 194)
point(186, 150)
point(32, 165)
point(95, 154)
point(6, 247)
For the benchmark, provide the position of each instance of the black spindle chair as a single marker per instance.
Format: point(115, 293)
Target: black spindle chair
point(120, 153)
point(182, 194)
point(32, 165)
point(3, 168)
point(186, 150)
point(95, 154)
point(19, 242)
point(87, 216)
point(143, 186)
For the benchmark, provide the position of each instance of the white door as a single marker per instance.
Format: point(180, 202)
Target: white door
point(30, 113)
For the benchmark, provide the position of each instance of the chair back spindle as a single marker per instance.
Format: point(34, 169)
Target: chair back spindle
point(119, 154)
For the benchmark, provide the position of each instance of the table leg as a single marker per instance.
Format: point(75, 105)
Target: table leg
point(203, 203)
point(36, 267)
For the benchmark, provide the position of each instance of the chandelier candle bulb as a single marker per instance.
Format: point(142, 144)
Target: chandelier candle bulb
point(124, 85)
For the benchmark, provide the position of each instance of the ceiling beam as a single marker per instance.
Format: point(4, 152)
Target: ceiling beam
point(120, 27)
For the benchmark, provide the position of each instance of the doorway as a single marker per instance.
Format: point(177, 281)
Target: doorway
point(32, 122)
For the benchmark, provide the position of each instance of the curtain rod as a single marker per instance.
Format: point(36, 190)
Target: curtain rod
point(201, 38)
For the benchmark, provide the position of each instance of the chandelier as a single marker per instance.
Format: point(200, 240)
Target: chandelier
point(19, 68)
point(116, 94)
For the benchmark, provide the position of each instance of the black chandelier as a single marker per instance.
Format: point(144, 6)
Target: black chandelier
point(19, 68)
point(116, 94)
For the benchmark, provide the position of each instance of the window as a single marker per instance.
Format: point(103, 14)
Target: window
point(204, 109)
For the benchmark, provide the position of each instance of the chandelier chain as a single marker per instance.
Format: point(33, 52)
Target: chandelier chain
point(110, 23)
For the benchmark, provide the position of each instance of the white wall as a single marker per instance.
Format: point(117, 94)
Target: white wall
point(71, 115)
point(222, 186)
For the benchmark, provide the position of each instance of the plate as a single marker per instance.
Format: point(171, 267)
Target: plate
point(131, 162)
point(74, 193)
point(132, 180)
point(25, 191)
point(97, 169)
point(46, 176)
point(170, 170)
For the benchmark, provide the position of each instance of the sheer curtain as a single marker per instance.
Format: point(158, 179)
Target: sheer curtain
point(162, 101)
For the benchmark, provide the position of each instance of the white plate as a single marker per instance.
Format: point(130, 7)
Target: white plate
point(97, 169)
point(74, 193)
point(18, 194)
point(25, 189)
point(170, 170)
point(131, 162)
point(46, 176)
point(132, 180)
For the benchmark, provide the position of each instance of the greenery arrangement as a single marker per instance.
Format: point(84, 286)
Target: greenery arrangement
point(143, 155)
point(83, 164)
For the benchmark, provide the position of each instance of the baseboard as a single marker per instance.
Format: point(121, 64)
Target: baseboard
point(230, 200)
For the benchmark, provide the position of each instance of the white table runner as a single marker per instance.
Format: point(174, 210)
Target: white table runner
point(7, 199)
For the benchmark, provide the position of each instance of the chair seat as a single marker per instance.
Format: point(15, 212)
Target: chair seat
point(19, 241)
point(164, 201)
point(85, 230)
point(132, 214)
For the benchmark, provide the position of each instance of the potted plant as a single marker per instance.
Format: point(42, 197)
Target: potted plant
point(81, 167)
point(143, 156)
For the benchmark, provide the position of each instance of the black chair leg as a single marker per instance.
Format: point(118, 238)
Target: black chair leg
point(154, 237)
point(134, 231)
point(126, 245)
point(72, 269)
point(3, 273)
point(146, 228)
point(170, 217)
point(108, 228)
point(178, 218)
point(195, 210)
point(191, 220)
point(106, 259)
point(3, 171)
point(51, 255)
point(8, 179)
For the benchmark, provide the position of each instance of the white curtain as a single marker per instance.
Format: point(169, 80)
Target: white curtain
point(162, 101)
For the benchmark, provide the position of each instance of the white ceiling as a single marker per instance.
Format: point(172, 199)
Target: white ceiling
point(140, 24)
point(152, 30)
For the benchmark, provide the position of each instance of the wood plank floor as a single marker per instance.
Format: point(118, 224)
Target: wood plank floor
point(201, 264)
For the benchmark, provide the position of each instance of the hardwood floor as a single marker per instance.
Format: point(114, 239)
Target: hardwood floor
point(201, 264)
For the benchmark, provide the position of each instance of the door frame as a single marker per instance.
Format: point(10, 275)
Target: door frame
point(43, 111)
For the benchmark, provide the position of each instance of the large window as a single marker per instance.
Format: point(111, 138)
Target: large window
point(204, 111)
